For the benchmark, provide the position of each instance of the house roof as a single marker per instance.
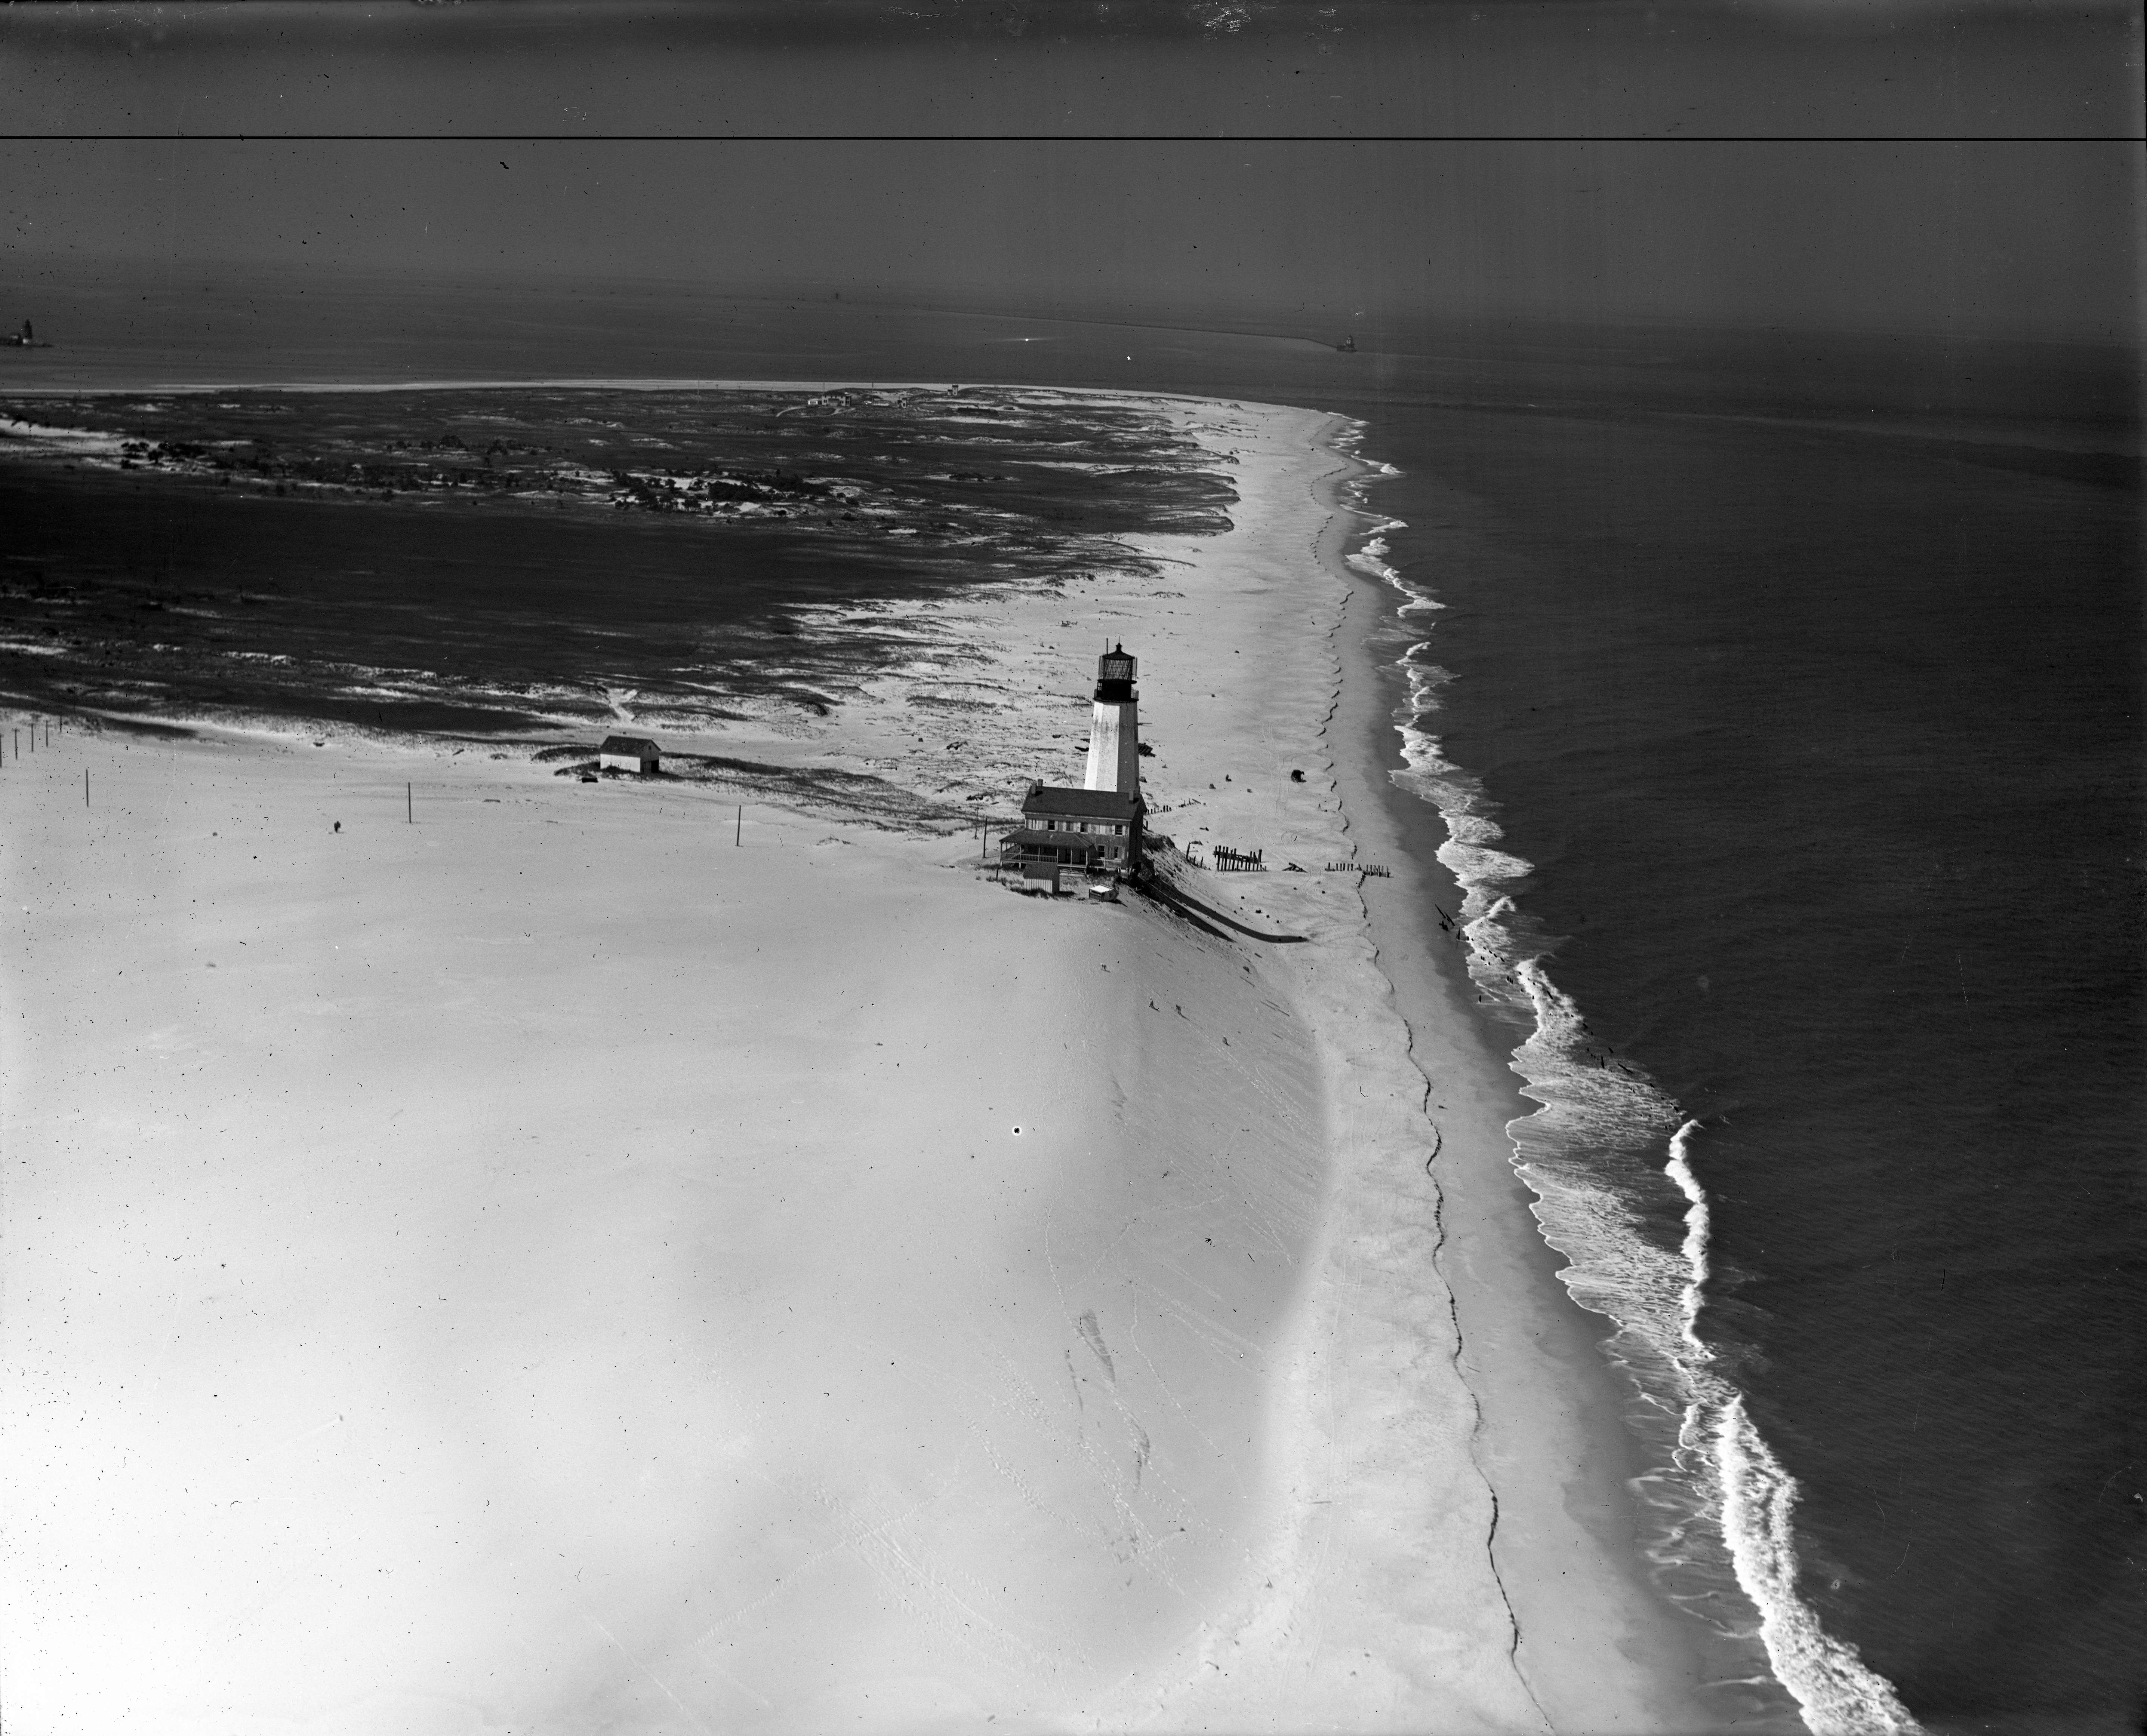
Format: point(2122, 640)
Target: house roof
point(627, 744)
point(1087, 804)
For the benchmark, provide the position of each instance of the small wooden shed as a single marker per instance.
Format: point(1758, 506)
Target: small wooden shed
point(627, 753)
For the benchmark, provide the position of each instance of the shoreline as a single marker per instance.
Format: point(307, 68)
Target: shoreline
point(1726, 1582)
point(1522, 1332)
point(1550, 1443)
point(1152, 1335)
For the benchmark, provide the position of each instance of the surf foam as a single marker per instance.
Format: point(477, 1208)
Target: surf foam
point(1608, 1156)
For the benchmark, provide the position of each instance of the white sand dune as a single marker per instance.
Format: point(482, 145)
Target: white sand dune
point(550, 1267)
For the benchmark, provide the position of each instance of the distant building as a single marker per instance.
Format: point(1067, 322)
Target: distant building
point(627, 753)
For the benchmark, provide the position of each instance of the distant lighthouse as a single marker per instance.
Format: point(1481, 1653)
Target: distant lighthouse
point(1114, 729)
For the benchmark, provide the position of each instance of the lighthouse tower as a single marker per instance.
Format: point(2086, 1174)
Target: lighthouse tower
point(1114, 730)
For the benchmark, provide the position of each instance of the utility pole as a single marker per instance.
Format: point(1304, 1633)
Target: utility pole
point(409, 808)
point(738, 838)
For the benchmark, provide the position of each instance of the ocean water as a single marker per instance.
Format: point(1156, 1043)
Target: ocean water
point(1775, 704)
point(1793, 776)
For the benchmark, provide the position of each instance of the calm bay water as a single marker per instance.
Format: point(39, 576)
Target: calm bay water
point(347, 556)
point(1785, 705)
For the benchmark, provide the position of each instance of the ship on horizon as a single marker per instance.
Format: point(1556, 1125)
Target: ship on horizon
point(23, 339)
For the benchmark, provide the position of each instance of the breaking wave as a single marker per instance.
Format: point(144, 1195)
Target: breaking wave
point(1608, 1156)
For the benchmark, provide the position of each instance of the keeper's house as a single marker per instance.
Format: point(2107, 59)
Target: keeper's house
point(627, 753)
point(1091, 834)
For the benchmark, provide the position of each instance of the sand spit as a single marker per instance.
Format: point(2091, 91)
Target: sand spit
point(570, 1259)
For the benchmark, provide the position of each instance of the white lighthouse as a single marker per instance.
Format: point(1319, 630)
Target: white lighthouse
point(1114, 730)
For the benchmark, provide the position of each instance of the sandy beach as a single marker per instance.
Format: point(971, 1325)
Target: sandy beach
point(552, 1256)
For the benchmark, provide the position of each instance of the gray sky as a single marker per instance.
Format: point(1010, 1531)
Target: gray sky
point(1903, 234)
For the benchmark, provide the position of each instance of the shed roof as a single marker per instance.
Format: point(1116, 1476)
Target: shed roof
point(628, 744)
point(1087, 804)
